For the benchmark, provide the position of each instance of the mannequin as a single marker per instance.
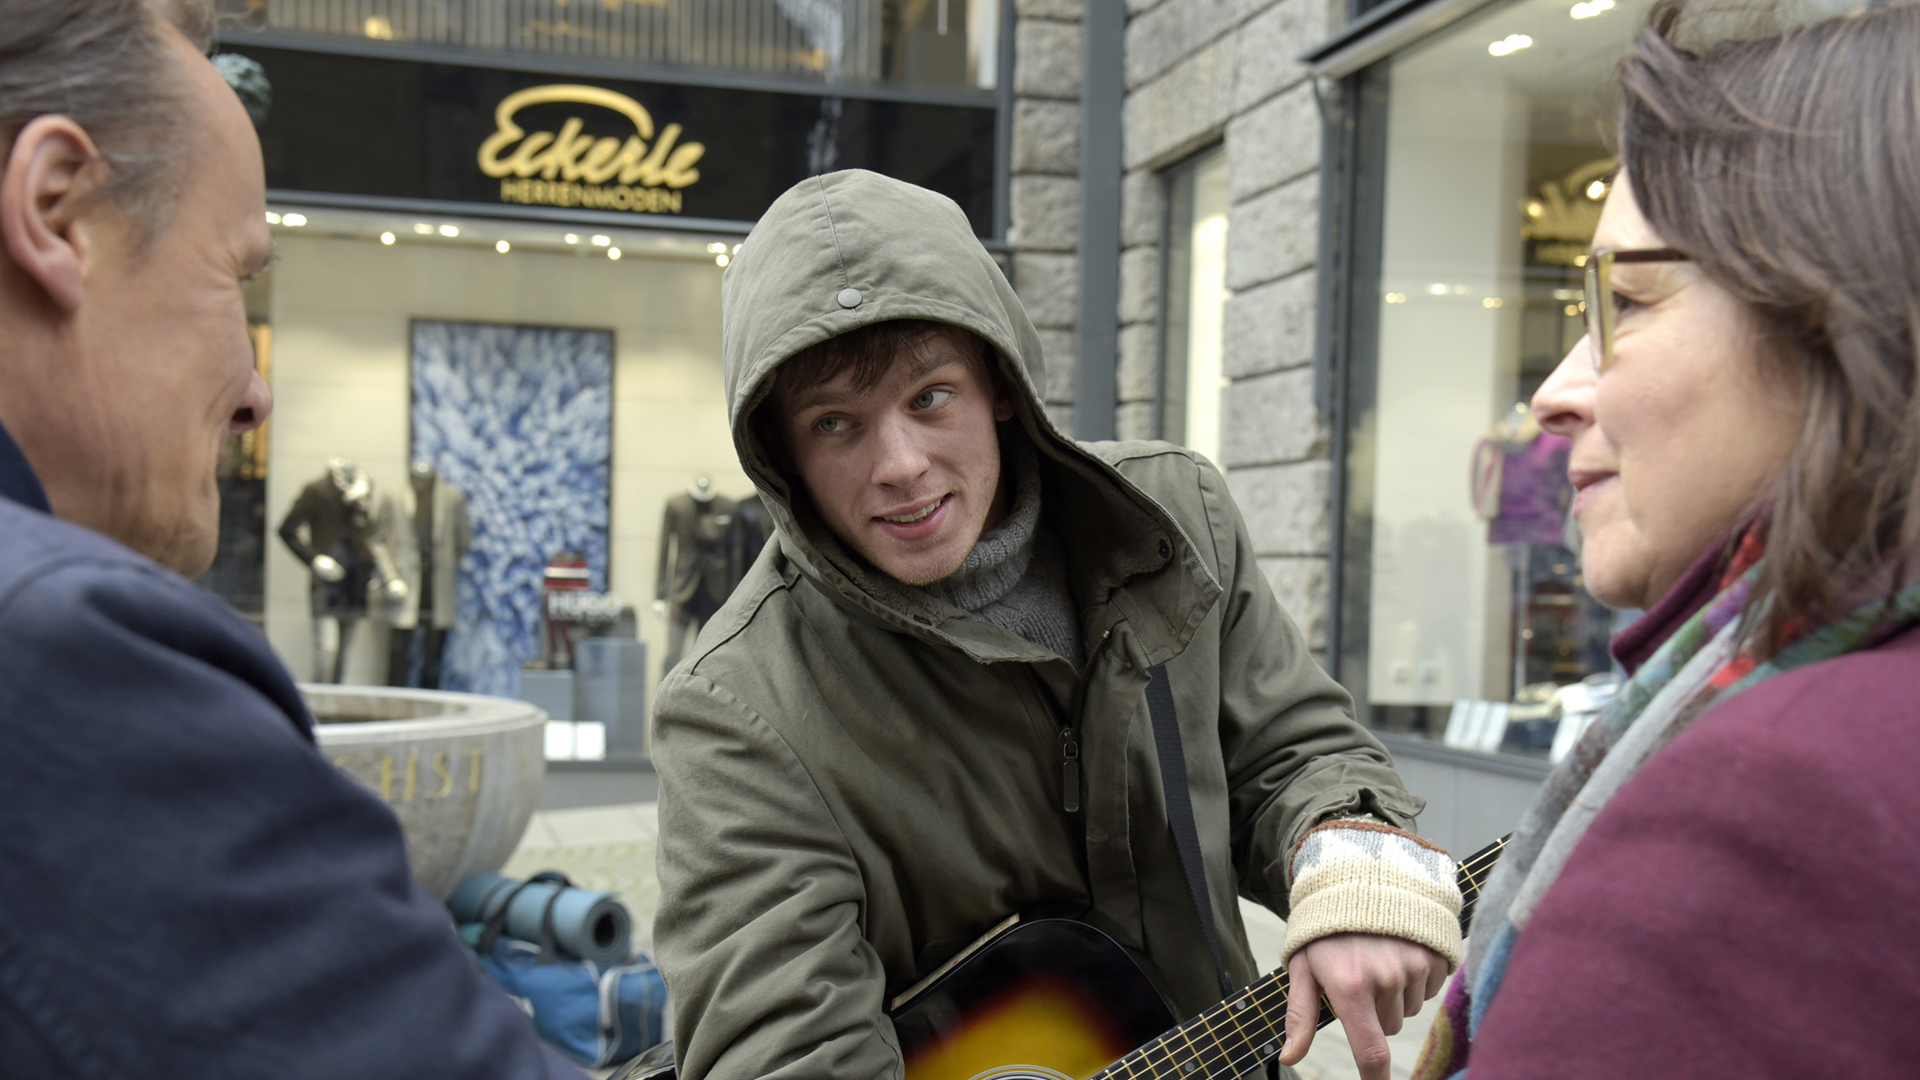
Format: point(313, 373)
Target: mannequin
point(752, 528)
point(1520, 489)
point(1520, 483)
point(425, 527)
point(693, 579)
point(345, 556)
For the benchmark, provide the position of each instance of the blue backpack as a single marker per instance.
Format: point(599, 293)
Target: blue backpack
point(597, 1014)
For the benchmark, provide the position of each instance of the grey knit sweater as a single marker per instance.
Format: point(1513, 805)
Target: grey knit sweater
point(1015, 577)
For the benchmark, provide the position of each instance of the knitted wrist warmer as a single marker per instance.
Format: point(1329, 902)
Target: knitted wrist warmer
point(1360, 877)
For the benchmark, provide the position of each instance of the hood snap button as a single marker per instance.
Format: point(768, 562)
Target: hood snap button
point(1166, 549)
point(849, 298)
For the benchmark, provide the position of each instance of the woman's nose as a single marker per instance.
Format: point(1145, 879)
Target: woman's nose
point(1564, 403)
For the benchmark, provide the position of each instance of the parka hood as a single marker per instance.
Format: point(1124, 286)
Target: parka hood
point(846, 250)
point(849, 249)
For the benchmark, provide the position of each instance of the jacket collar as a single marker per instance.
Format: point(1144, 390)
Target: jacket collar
point(17, 480)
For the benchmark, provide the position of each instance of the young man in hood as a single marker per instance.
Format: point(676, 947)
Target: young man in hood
point(924, 710)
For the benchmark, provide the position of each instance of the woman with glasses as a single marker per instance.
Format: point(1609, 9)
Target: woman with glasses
point(1723, 879)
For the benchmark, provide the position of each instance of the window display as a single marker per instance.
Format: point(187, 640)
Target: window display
point(331, 529)
point(1467, 619)
point(520, 419)
point(695, 570)
point(424, 527)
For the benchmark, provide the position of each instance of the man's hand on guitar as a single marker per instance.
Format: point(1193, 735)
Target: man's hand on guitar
point(1373, 983)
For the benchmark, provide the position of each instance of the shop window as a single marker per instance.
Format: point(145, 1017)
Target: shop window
point(1463, 613)
point(1193, 300)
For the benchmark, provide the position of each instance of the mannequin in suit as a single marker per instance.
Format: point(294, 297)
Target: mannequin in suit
point(694, 569)
point(330, 528)
point(425, 526)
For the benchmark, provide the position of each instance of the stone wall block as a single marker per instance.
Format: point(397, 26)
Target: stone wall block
point(1057, 347)
point(1046, 137)
point(1270, 327)
point(1182, 109)
point(1269, 44)
point(1300, 584)
point(1273, 235)
point(1142, 208)
point(1158, 39)
point(1047, 59)
point(1139, 285)
point(1046, 213)
point(1269, 419)
point(1137, 370)
point(1048, 285)
point(1285, 506)
point(1136, 420)
point(1276, 142)
point(1066, 10)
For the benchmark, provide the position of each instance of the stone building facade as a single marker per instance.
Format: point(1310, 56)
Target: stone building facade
point(1198, 74)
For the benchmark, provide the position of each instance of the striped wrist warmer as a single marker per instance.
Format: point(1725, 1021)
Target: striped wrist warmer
point(1359, 877)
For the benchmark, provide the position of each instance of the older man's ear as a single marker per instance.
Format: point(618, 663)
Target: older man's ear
point(47, 218)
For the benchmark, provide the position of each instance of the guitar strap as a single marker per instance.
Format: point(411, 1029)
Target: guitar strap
point(1186, 838)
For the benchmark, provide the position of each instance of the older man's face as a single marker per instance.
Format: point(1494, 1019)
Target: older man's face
point(155, 369)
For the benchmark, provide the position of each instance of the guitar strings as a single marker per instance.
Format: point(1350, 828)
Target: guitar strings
point(1270, 989)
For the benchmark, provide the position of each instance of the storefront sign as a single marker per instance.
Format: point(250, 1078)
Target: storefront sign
point(620, 171)
point(382, 128)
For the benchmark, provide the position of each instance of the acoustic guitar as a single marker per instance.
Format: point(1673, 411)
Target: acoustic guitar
point(1056, 999)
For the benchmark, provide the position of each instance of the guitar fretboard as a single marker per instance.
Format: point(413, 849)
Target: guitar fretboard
point(1229, 1039)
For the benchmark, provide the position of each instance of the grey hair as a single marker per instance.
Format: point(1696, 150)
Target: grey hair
point(103, 64)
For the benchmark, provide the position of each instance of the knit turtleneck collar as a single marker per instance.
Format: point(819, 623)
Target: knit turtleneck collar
point(999, 559)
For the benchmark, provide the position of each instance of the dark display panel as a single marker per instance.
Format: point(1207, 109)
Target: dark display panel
point(404, 129)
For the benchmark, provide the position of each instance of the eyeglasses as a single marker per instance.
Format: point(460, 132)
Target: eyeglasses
point(1602, 309)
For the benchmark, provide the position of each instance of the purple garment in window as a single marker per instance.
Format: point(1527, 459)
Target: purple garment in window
point(1534, 492)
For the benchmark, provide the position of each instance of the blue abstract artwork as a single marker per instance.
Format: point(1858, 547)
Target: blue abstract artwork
point(520, 418)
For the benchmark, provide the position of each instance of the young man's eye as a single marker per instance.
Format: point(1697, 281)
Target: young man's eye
point(930, 398)
point(830, 425)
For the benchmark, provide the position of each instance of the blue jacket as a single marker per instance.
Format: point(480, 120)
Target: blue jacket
point(187, 887)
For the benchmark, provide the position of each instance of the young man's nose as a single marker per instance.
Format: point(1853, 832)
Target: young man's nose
point(900, 459)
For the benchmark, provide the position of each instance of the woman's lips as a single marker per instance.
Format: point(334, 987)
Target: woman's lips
point(926, 519)
point(1588, 486)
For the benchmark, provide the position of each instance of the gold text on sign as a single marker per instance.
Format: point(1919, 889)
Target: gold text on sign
point(605, 171)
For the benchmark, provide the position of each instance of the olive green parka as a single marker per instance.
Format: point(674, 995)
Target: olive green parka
point(857, 780)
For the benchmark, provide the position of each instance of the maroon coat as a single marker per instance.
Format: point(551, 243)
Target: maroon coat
point(1748, 905)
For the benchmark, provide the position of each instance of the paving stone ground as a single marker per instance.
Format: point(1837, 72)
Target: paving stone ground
point(611, 847)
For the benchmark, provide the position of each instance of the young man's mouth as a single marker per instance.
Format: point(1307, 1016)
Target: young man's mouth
point(921, 514)
point(917, 523)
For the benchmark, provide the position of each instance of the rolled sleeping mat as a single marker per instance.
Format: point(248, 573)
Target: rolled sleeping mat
point(590, 925)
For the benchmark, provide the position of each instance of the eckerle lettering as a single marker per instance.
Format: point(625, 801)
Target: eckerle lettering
point(563, 160)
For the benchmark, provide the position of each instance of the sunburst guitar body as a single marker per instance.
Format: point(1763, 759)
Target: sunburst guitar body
point(1051, 999)
point(1056, 999)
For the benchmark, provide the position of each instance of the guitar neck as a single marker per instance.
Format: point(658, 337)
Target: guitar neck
point(1248, 1027)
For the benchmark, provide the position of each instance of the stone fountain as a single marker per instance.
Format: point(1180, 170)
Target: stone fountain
point(461, 771)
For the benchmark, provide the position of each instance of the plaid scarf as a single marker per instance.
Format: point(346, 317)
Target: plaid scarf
point(1698, 667)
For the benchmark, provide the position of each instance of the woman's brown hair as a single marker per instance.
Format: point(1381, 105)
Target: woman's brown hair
point(1788, 167)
